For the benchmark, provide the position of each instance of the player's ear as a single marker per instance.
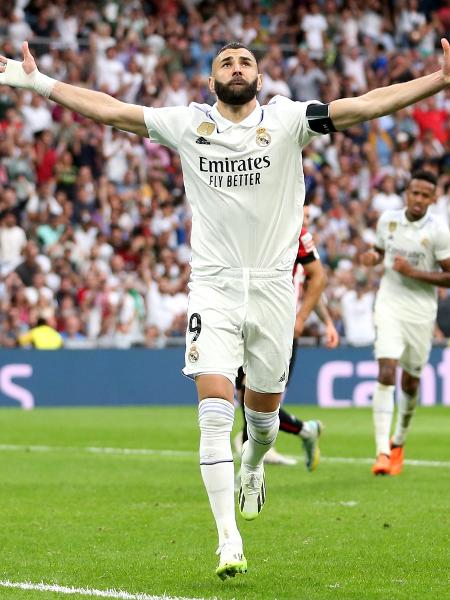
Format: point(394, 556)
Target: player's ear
point(259, 82)
point(211, 85)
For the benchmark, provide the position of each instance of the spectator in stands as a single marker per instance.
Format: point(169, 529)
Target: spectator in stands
point(386, 198)
point(357, 313)
point(12, 242)
point(41, 336)
point(72, 335)
point(27, 269)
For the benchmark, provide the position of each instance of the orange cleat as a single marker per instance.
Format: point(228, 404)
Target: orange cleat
point(397, 458)
point(382, 465)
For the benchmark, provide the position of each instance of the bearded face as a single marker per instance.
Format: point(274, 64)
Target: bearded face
point(237, 91)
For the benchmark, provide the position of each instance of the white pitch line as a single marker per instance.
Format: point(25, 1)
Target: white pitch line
point(188, 453)
point(62, 589)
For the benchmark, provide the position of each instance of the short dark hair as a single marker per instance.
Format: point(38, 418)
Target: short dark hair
point(234, 46)
point(425, 176)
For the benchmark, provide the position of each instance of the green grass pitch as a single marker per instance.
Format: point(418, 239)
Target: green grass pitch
point(141, 522)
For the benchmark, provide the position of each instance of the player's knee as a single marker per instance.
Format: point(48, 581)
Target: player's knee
point(215, 416)
point(386, 375)
point(262, 426)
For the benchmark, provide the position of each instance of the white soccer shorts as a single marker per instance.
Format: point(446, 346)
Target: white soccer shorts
point(409, 343)
point(241, 317)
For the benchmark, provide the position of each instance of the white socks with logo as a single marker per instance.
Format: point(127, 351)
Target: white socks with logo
point(262, 429)
point(383, 409)
point(216, 417)
point(406, 407)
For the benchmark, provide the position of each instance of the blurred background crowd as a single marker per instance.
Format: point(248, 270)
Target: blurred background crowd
point(94, 223)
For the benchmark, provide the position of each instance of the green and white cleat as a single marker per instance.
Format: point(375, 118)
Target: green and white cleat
point(310, 435)
point(231, 562)
point(252, 493)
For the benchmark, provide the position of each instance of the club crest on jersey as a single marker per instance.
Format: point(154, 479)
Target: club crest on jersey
point(205, 128)
point(262, 137)
point(392, 226)
point(193, 354)
point(425, 243)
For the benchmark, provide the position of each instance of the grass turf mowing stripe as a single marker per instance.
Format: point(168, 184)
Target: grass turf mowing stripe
point(98, 450)
point(188, 453)
point(62, 589)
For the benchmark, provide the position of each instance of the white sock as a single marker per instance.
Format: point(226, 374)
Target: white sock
point(215, 419)
point(406, 407)
point(262, 429)
point(383, 409)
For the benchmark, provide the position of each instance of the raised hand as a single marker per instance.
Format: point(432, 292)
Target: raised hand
point(25, 74)
point(15, 73)
point(446, 60)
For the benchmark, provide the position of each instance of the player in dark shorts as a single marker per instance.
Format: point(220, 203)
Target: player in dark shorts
point(313, 274)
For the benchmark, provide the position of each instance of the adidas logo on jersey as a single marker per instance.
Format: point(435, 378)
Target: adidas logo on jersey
point(201, 140)
point(282, 378)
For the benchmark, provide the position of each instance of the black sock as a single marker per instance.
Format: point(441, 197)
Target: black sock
point(290, 423)
point(241, 394)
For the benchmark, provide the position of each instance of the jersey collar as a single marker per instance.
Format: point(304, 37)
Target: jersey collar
point(253, 119)
point(416, 224)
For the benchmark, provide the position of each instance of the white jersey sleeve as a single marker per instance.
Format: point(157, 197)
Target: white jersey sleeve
point(167, 125)
point(442, 243)
point(293, 117)
point(380, 238)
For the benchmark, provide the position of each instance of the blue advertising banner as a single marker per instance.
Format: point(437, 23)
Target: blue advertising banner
point(337, 378)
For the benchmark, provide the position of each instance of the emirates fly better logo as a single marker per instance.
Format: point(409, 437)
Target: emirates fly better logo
point(234, 172)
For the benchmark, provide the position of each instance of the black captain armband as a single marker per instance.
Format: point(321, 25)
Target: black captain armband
point(318, 117)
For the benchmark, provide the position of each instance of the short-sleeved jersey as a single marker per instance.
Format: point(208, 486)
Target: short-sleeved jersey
point(244, 181)
point(422, 243)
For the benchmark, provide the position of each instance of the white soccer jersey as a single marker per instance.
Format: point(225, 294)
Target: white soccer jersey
point(244, 180)
point(423, 243)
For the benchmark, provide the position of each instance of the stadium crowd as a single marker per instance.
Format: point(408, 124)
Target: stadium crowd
point(94, 223)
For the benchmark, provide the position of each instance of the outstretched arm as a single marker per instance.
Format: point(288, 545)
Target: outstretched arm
point(95, 105)
point(384, 101)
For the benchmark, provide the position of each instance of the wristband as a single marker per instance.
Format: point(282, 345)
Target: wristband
point(43, 84)
point(15, 76)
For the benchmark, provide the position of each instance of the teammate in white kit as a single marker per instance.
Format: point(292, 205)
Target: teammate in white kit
point(244, 180)
point(414, 246)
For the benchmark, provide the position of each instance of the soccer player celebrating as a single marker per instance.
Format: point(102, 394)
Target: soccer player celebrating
point(415, 249)
point(243, 178)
